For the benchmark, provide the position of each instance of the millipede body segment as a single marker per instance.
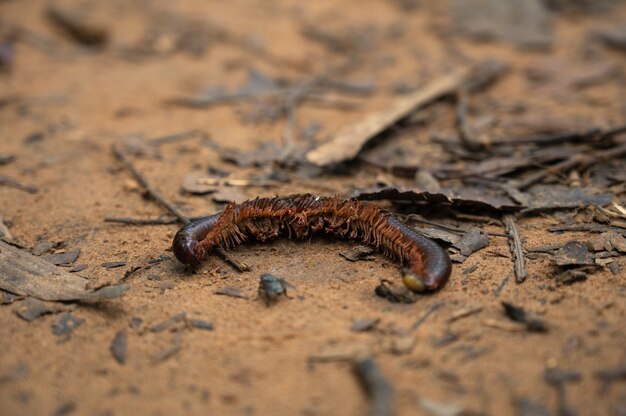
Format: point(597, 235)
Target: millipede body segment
point(300, 216)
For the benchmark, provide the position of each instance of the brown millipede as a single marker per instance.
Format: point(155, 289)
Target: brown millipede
point(299, 216)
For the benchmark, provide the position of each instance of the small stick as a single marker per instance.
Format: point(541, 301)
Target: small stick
point(171, 208)
point(147, 221)
point(573, 161)
point(6, 181)
point(377, 387)
point(593, 133)
point(142, 221)
point(423, 318)
point(450, 228)
point(592, 228)
point(503, 283)
point(144, 182)
point(517, 251)
point(171, 138)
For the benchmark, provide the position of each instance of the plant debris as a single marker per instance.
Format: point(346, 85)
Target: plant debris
point(77, 27)
point(518, 314)
point(32, 308)
point(119, 346)
point(65, 324)
point(63, 259)
point(23, 274)
point(232, 291)
point(359, 253)
point(365, 324)
point(169, 323)
point(348, 142)
point(113, 264)
point(573, 253)
point(201, 324)
point(525, 23)
point(378, 388)
point(517, 250)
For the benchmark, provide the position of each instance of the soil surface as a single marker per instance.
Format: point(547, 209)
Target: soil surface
point(65, 103)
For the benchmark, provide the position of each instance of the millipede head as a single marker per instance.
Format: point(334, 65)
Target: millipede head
point(413, 282)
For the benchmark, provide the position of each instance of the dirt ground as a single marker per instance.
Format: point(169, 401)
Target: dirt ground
point(65, 104)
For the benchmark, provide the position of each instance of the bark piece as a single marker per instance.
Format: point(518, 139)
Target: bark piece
point(23, 274)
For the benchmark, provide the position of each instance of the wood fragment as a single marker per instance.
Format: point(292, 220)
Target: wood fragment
point(515, 244)
point(378, 388)
point(349, 141)
point(23, 274)
point(592, 228)
point(232, 291)
point(591, 134)
point(505, 325)
point(147, 221)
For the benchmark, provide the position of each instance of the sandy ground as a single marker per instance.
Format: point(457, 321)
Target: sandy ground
point(256, 361)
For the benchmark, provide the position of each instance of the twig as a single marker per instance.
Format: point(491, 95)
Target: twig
point(175, 137)
point(463, 313)
point(515, 243)
point(6, 181)
point(450, 228)
point(148, 221)
point(590, 134)
point(592, 228)
point(428, 312)
point(377, 387)
point(573, 161)
point(168, 206)
point(144, 182)
point(142, 221)
point(503, 283)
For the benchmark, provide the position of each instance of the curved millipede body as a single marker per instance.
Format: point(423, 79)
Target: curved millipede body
point(299, 216)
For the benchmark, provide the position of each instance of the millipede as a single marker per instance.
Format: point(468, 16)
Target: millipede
point(427, 265)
